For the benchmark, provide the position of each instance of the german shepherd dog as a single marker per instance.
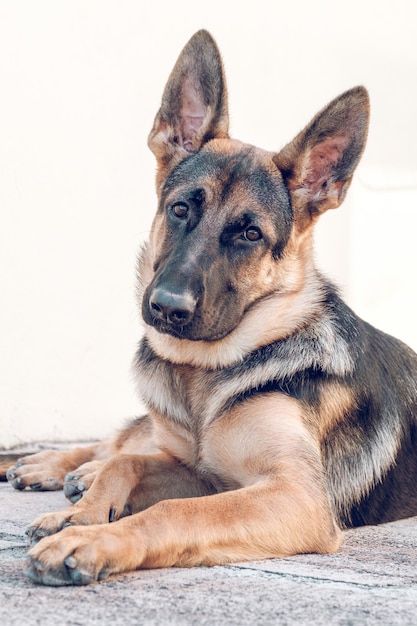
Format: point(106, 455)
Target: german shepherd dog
point(276, 417)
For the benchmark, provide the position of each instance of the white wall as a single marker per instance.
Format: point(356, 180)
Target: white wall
point(80, 83)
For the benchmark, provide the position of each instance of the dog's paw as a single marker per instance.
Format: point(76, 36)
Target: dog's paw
point(84, 554)
point(77, 483)
point(76, 556)
point(48, 524)
point(52, 523)
point(43, 471)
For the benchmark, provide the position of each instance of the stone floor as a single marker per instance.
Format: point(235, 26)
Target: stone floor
point(372, 580)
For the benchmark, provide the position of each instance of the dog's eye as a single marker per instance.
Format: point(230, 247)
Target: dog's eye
point(180, 209)
point(251, 234)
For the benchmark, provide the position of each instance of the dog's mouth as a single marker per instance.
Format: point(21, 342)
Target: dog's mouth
point(191, 332)
point(180, 332)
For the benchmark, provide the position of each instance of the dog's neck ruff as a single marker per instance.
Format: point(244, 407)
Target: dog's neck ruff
point(273, 318)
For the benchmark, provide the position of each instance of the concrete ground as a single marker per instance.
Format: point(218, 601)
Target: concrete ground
point(373, 580)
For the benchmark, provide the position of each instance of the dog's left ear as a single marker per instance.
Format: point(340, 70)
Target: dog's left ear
point(318, 164)
point(194, 105)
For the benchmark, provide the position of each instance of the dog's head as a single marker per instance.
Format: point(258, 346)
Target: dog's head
point(233, 225)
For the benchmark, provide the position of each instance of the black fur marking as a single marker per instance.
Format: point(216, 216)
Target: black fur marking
point(265, 191)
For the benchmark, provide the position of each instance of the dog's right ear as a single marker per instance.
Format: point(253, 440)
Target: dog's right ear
point(194, 105)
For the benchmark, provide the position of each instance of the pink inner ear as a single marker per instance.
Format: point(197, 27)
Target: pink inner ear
point(192, 115)
point(321, 162)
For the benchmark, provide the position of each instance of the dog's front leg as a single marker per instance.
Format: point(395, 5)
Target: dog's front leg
point(277, 505)
point(259, 521)
point(127, 483)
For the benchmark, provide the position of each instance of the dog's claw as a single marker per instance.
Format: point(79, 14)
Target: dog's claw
point(78, 577)
point(34, 563)
point(74, 491)
point(71, 477)
point(35, 534)
point(16, 483)
point(69, 489)
point(71, 562)
point(38, 574)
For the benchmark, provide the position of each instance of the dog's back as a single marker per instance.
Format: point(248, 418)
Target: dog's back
point(370, 454)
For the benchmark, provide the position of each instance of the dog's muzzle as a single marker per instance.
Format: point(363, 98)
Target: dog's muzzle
point(174, 310)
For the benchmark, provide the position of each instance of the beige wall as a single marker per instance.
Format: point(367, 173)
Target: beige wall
point(80, 82)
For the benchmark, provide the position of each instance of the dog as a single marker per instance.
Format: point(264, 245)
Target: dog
point(276, 417)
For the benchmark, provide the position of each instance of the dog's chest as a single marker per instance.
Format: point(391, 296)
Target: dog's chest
point(184, 402)
point(182, 394)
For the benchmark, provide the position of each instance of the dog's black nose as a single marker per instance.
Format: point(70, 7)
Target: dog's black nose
point(176, 309)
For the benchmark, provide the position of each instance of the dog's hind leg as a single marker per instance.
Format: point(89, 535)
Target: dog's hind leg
point(75, 469)
point(46, 470)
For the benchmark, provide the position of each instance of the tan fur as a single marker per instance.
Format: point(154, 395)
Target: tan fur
point(337, 402)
